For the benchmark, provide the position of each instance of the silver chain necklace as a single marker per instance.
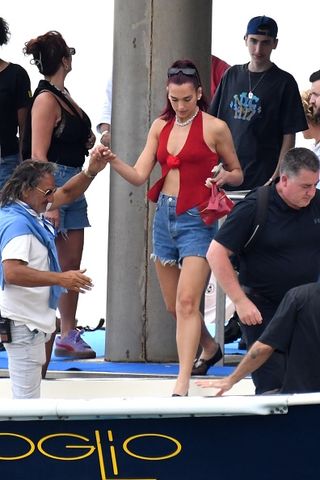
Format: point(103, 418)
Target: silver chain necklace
point(64, 91)
point(251, 89)
point(183, 124)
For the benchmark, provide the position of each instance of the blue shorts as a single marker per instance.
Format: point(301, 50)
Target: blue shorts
point(178, 236)
point(73, 216)
point(7, 165)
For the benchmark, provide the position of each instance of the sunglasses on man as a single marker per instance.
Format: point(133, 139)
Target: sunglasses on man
point(47, 192)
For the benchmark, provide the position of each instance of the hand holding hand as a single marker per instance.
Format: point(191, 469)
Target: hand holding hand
point(98, 159)
point(109, 155)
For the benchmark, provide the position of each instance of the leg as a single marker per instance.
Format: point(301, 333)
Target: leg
point(70, 343)
point(70, 253)
point(48, 348)
point(192, 281)
point(26, 355)
point(168, 276)
point(207, 342)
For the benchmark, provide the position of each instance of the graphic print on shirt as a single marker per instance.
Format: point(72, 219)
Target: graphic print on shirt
point(245, 108)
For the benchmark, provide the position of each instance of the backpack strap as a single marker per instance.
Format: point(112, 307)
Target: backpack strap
point(260, 216)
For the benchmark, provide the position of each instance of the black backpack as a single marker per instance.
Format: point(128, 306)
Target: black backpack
point(259, 222)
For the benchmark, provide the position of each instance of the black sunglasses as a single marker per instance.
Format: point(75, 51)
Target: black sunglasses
point(47, 192)
point(186, 71)
point(72, 51)
point(190, 72)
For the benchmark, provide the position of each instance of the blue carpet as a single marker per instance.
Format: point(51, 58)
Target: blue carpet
point(97, 341)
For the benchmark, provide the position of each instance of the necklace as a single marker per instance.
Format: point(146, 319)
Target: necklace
point(251, 89)
point(64, 91)
point(183, 124)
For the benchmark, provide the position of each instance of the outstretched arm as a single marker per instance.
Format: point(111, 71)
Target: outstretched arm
point(139, 173)
point(17, 272)
point(257, 356)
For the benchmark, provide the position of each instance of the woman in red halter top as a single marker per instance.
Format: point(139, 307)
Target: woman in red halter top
point(187, 143)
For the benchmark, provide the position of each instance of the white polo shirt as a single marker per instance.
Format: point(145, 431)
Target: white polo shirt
point(28, 305)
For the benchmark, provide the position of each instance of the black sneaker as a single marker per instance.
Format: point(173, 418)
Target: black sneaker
point(232, 330)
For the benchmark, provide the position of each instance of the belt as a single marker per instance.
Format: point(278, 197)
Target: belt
point(10, 319)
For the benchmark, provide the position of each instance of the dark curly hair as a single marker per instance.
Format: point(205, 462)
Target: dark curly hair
point(4, 32)
point(47, 50)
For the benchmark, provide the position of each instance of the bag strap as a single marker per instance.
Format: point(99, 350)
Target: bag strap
point(260, 216)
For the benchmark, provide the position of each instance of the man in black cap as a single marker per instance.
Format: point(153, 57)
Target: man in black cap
point(261, 105)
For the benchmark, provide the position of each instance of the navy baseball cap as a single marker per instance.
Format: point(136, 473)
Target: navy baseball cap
point(262, 26)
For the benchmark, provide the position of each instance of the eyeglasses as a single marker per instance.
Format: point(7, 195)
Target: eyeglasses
point(48, 192)
point(192, 72)
point(72, 51)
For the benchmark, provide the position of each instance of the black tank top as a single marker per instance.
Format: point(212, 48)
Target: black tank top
point(69, 138)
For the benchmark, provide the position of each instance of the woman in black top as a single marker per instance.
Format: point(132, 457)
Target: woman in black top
point(59, 131)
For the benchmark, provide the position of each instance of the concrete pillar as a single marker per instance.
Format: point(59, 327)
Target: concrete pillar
point(148, 36)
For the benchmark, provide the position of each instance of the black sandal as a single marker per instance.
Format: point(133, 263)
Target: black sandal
point(201, 366)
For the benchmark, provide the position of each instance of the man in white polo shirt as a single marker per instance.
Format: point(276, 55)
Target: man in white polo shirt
point(31, 281)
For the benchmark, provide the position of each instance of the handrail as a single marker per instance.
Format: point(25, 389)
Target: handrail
point(235, 195)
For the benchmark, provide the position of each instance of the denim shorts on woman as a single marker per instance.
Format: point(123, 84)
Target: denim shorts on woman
point(178, 236)
point(7, 165)
point(73, 216)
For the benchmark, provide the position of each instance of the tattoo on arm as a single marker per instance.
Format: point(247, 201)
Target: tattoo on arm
point(254, 354)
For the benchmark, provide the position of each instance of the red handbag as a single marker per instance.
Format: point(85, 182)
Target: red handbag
point(219, 205)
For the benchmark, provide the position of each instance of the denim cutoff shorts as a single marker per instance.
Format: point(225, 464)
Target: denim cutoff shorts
point(178, 236)
point(7, 165)
point(73, 216)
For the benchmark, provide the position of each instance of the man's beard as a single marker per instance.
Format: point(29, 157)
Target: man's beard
point(317, 115)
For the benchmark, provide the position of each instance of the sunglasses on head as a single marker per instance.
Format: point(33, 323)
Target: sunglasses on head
point(186, 71)
point(47, 192)
point(72, 51)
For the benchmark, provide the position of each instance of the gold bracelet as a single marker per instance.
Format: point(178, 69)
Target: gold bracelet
point(87, 174)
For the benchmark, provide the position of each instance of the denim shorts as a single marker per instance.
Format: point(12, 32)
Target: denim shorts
point(178, 236)
point(7, 165)
point(73, 216)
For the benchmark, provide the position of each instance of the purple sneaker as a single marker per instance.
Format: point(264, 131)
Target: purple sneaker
point(73, 346)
